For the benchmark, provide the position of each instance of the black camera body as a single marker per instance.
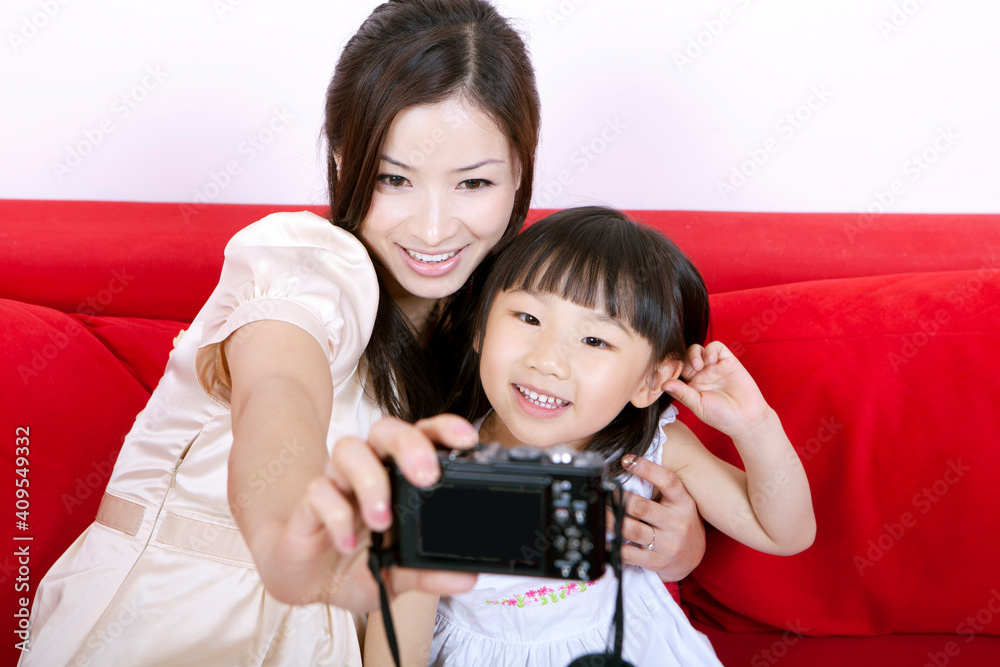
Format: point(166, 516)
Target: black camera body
point(523, 510)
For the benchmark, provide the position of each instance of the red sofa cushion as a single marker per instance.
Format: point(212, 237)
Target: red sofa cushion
point(76, 383)
point(162, 260)
point(888, 388)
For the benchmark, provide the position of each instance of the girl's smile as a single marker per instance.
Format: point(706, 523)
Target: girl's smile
point(557, 372)
point(539, 403)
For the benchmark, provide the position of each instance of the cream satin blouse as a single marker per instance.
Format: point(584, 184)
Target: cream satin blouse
point(163, 576)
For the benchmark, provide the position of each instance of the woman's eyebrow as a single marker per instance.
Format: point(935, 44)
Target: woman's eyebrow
point(480, 164)
point(402, 165)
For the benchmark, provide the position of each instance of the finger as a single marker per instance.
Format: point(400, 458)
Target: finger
point(672, 490)
point(717, 351)
point(694, 362)
point(411, 449)
point(450, 430)
point(686, 394)
point(358, 472)
point(663, 480)
point(439, 582)
point(324, 508)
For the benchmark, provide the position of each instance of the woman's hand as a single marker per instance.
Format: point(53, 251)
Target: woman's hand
point(669, 524)
point(719, 390)
point(352, 498)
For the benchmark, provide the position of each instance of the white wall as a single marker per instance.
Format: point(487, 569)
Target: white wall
point(770, 105)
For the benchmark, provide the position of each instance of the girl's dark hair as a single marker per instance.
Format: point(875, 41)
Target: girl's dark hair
point(417, 52)
point(597, 257)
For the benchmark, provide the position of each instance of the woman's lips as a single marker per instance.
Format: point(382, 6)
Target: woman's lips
point(432, 265)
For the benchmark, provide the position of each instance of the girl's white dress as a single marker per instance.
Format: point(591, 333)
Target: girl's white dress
point(527, 621)
point(163, 576)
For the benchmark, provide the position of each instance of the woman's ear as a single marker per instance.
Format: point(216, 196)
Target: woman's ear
point(337, 160)
point(646, 395)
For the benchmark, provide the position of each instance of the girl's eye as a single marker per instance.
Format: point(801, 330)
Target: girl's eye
point(475, 184)
point(592, 341)
point(527, 318)
point(392, 180)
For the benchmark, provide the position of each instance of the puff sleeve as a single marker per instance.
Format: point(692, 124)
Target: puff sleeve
point(296, 268)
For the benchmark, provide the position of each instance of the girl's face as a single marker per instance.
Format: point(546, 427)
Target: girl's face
point(444, 197)
point(556, 372)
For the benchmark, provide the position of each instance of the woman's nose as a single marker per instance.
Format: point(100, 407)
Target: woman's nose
point(433, 224)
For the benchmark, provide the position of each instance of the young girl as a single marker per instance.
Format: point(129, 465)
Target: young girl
point(583, 333)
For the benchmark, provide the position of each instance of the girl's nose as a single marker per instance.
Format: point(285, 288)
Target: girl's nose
point(548, 357)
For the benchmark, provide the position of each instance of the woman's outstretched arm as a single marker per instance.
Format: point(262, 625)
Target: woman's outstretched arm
point(305, 515)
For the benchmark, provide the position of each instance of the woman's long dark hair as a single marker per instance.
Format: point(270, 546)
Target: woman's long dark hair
point(407, 53)
point(597, 257)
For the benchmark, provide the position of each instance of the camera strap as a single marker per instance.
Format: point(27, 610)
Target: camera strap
point(616, 497)
point(378, 559)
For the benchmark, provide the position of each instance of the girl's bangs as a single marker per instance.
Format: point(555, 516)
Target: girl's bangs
point(576, 273)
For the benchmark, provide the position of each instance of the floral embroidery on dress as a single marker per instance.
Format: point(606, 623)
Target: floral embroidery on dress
point(546, 595)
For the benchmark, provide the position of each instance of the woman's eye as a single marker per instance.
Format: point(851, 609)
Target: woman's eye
point(392, 180)
point(593, 341)
point(527, 318)
point(475, 184)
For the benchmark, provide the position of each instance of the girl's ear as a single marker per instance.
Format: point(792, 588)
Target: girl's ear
point(337, 159)
point(646, 394)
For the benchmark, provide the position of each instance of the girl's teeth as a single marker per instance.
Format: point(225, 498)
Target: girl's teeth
point(541, 400)
point(431, 259)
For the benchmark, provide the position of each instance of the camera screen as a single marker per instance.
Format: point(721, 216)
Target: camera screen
point(495, 523)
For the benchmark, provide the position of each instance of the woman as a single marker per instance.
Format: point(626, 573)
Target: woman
point(226, 535)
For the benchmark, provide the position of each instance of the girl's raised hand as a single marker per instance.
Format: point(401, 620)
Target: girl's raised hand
point(667, 533)
point(719, 390)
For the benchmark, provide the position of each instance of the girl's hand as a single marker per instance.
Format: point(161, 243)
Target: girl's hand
point(669, 524)
point(353, 497)
point(719, 390)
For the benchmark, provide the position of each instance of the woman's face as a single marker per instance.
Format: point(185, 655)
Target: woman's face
point(444, 197)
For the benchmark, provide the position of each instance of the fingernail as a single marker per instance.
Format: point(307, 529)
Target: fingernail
point(380, 512)
point(465, 435)
point(426, 476)
point(629, 461)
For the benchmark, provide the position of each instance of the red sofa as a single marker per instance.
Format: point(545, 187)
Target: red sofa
point(875, 339)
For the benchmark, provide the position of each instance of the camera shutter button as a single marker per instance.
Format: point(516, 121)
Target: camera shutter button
point(525, 453)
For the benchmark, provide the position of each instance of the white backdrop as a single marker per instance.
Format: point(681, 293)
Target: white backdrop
point(754, 105)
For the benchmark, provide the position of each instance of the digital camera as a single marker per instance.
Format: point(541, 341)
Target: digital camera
point(522, 510)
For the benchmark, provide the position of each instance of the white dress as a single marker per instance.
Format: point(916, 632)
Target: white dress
point(515, 621)
point(163, 576)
